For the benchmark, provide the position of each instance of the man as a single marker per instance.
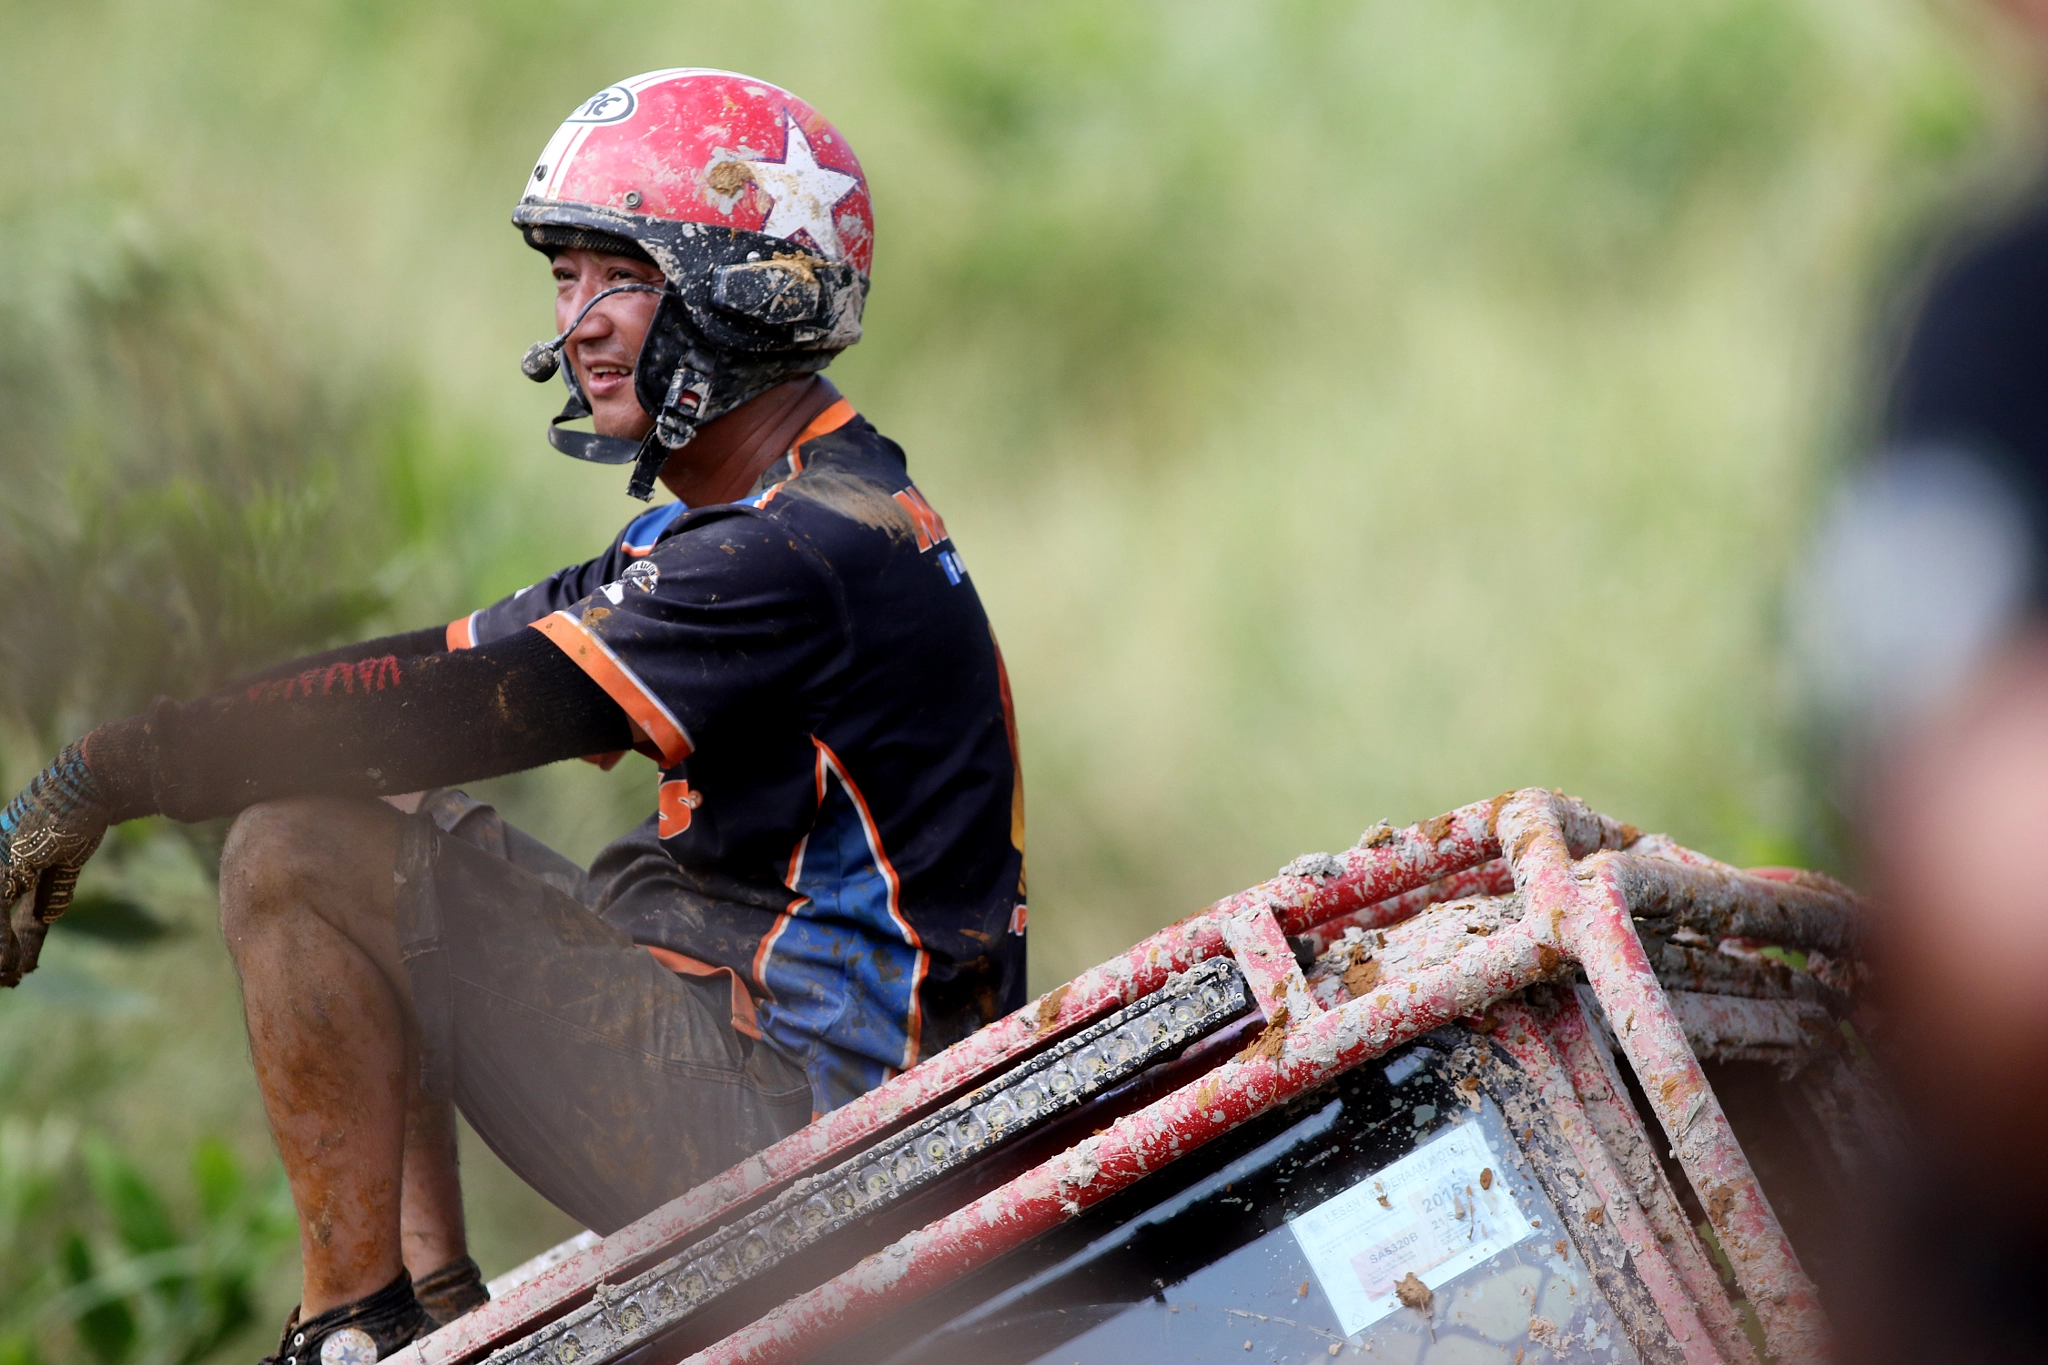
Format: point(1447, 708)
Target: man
point(832, 887)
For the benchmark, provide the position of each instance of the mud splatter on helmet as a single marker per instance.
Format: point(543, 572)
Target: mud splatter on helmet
point(756, 211)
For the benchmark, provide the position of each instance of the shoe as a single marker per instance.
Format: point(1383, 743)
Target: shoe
point(359, 1333)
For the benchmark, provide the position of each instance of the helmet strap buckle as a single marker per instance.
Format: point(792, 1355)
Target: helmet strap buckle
point(647, 463)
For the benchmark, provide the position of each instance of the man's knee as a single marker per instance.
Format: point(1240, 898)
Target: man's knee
point(306, 855)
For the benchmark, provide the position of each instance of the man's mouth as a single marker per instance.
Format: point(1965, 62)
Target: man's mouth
point(605, 380)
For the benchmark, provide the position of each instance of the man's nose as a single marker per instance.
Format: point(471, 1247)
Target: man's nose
point(596, 322)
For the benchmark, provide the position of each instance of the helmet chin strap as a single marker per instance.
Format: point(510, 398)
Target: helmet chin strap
point(648, 458)
point(673, 427)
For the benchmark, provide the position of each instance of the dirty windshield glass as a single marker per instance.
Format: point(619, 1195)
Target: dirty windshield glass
point(1387, 1217)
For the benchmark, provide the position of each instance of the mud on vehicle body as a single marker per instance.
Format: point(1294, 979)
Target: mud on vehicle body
point(1486, 1088)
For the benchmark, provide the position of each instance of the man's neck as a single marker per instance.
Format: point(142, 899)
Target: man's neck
point(725, 458)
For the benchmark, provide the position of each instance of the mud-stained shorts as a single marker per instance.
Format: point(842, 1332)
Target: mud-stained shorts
point(603, 1079)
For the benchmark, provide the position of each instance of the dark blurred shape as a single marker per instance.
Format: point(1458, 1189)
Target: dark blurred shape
point(113, 919)
point(1973, 372)
point(1925, 620)
point(1932, 554)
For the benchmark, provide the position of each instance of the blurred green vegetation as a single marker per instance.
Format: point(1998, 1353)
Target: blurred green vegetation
point(1346, 410)
point(99, 1263)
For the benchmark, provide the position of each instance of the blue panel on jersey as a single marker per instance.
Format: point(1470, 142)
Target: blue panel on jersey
point(644, 530)
point(842, 973)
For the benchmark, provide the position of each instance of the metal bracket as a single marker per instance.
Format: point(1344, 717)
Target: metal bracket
point(1256, 940)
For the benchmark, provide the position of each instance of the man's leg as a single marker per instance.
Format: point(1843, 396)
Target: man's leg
point(308, 910)
point(604, 1080)
point(430, 1207)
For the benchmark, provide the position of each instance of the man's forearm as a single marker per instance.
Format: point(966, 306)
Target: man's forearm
point(411, 644)
point(367, 725)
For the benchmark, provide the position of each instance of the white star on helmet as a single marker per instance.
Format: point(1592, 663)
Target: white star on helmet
point(804, 192)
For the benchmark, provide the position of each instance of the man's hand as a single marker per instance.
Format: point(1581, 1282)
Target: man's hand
point(46, 834)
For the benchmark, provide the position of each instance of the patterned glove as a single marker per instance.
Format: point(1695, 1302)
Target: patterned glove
point(46, 834)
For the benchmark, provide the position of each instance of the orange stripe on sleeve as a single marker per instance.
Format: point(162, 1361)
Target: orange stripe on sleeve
point(606, 669)
point(462, 632)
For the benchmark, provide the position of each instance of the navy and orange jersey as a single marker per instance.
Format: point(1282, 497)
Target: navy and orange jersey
point(840, 818)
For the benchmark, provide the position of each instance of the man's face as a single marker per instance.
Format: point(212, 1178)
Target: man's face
point(605, 348)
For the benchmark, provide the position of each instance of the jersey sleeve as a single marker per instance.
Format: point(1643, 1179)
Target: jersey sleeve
point(729, 618)
point(565, 587)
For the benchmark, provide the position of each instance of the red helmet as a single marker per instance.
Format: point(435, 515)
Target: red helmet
point(756, 211)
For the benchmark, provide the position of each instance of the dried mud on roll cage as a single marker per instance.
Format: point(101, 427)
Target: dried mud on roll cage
point(1563, 975)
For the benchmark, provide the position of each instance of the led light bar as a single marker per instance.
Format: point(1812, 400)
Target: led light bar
point(1058, 1080)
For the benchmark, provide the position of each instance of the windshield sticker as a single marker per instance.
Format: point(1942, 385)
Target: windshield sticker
point(1434, 1214)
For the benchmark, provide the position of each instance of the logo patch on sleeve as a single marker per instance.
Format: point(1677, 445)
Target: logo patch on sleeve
point(639, 574)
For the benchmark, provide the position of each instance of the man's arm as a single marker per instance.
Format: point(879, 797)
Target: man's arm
point(364, 726)
point(361, 726)
point(409, 644)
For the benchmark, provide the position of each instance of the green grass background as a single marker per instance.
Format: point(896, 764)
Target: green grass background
point(1345, 411)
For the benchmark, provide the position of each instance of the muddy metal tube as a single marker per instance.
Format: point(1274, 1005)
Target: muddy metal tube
point(1488, 879)
point(1724, 903)
point(1523, 1037)
point(1593, 921)
point(1590, 1062)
